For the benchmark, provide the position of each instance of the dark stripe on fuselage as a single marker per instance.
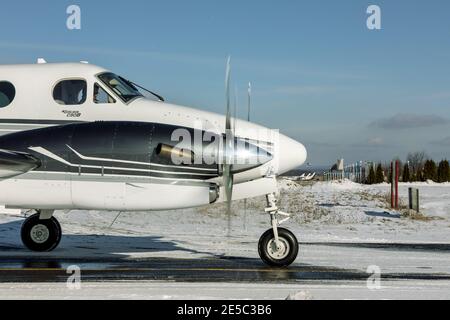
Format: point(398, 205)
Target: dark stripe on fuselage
point(120, 141)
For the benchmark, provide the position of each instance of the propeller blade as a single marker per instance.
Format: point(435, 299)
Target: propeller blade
point(229, 144)
point(228, 177)
point(249, 104)
point(227, 93)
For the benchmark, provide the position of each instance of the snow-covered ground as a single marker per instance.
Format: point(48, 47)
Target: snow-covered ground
point(435, 197)
point(346, 211)
point(323, 213)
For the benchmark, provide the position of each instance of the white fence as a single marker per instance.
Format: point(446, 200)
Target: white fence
point(355, 172)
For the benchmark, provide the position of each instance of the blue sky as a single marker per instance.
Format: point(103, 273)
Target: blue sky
point(318, 73)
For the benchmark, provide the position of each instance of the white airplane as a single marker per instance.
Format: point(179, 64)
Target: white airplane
point(77, 136)
point(308, 177)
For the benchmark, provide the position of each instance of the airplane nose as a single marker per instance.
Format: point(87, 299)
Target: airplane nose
point(292, 154)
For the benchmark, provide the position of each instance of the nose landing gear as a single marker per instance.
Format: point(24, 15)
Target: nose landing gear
point(278, 247)
point(41, 232)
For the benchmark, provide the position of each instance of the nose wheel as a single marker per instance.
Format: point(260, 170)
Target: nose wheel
point(278, 247)
point(278, 254)
point(41, 235)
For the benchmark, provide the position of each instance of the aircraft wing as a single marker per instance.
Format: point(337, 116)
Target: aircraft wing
point(13, 163)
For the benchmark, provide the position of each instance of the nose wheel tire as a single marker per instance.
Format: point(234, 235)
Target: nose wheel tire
point(41, 235)
point(281, 254)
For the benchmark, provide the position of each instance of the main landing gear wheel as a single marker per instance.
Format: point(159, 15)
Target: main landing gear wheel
point(281, 254)
point(41, 235)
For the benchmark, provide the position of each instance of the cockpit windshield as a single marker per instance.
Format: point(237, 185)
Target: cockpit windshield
point(123, 88)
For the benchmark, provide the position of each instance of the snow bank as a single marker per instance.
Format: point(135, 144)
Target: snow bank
point(344, 185)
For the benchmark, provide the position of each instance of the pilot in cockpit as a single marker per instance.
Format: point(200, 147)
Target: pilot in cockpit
point(101, 96)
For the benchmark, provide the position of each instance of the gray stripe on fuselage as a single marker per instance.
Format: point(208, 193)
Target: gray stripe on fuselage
point(38, 122)
point(55, 176)
point(8, 126)
point(18, 127)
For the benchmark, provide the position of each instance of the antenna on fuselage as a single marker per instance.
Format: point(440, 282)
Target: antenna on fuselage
point(249, 101)
point(235, 109)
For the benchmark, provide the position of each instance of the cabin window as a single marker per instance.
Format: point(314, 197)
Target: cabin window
point(101, 96)
point(7, 93)
point(70, 92)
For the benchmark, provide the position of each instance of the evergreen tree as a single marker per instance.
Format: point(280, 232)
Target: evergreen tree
point(379, 176)
point(371, 177)
point(443, 172)
point(390, 174)
point(420, 176)
point(430, 171)
point(406, 177)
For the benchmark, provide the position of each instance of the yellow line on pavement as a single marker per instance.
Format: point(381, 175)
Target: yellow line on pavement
point(160, 269)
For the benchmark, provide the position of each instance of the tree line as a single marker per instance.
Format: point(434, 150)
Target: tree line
point(417, 168)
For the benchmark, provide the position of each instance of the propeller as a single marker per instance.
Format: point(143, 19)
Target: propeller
point(249, 102)
point(228, 178)
point(230, 153)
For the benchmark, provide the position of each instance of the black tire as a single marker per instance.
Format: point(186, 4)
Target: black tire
point(289, 255)
point(30, 236)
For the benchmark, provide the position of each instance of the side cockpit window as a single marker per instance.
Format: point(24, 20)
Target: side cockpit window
point(124, 89)
point(101, 96)
point(7, 93)
point(70, 92)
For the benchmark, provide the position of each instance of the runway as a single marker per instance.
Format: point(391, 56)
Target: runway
point(46, 268)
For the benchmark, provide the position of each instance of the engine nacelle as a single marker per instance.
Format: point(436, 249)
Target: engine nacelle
point(142, 197)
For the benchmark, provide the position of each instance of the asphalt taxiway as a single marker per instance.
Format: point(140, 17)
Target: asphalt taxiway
point(34, 268)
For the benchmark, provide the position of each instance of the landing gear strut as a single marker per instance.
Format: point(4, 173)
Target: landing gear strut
point(278, 247)
point(41, 232)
